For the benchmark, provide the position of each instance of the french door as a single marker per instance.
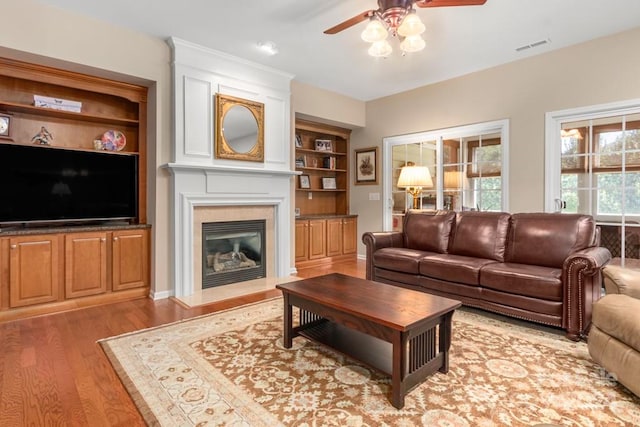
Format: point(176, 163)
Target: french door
point(467, 164)
point(593, 164)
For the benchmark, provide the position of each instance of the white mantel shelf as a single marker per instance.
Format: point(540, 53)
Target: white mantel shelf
point(229, 169)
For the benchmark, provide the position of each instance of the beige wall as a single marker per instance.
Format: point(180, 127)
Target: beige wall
point(49, 36)
point(312, 103)
point(601, 71)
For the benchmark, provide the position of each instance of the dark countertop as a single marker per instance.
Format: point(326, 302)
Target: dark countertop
point(25, 231)
point(326, 216)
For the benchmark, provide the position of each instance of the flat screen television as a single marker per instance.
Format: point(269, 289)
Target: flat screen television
point(50, 184)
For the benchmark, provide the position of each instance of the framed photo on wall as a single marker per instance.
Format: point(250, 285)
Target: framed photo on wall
point(366, 169)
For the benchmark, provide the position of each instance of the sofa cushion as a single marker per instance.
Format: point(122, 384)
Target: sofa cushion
point(522, 279)
point(547, 239)
point(428, 230)
point(399, 259)
point(481, 235)
point(619, 316)
point(453, 268)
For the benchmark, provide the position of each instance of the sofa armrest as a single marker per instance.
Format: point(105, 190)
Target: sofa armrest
point(618, 280)
point(378, 240)
point(582, 282)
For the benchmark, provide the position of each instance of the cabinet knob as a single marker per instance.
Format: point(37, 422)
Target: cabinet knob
point(104, 239)
point(115, 239)
point(14, 246)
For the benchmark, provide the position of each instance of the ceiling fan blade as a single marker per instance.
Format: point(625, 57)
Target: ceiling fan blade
point(350, 22)
point(446, 3)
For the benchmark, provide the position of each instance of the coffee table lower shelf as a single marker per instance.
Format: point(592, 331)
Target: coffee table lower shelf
point(419, 357)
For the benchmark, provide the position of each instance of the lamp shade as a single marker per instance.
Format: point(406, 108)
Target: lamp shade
point(412, 44)
point(415, 176)
point(380, 49)
point(374, 31)
point(452, 180)
point(411, 26)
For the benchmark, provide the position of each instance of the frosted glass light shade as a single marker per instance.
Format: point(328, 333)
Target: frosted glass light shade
point(412, 44)
point(374, 32)
point(380, 49)
point(411, 26)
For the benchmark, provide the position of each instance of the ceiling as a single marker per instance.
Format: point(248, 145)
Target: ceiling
point(460, 40)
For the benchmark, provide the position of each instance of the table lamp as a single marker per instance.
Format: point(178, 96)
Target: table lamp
point(414, 179)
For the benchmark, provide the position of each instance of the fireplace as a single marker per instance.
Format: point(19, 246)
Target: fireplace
point(232, 251)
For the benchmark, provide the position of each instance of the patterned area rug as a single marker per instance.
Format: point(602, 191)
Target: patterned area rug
point(230, 368)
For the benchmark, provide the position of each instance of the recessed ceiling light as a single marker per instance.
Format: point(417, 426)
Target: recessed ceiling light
point(269, 48)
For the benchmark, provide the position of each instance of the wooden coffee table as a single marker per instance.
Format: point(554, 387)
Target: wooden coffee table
point(401, 332)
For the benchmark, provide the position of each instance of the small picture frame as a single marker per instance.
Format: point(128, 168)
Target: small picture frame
point(298, 141)
point(366, 167)
point(297, 212)
point(305, 182)
point(324, 145)
point(301, 162)
point(5, 126)
point(329, 183)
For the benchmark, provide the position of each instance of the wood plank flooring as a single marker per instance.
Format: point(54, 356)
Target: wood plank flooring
point(53, 372)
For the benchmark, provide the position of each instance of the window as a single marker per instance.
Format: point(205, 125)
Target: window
point(467, 167)
point(593, 167)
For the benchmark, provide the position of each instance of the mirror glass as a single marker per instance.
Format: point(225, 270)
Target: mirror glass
point(240, 129)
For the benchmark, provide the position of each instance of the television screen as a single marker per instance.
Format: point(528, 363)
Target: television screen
point(45, 184)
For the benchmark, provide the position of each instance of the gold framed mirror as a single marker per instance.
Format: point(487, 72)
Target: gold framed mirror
point(239, 129)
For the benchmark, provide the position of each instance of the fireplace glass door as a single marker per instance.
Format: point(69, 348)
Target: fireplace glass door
point(233, 251)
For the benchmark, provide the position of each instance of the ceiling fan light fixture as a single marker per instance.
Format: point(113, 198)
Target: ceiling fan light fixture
point(380, 49)
point(411, 25)
point(412, 44)
point(374, 32)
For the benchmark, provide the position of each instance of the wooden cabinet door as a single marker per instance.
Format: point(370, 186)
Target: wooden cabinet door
point(85, 264)
point(349, 235)
point(317, 238)
point(130, 265)
point(334, 237)
point(34, 274)
point(302, 240)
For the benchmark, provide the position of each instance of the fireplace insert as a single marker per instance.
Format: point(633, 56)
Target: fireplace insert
point(232, 251)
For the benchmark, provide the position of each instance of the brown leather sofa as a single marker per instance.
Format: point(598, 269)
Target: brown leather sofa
point(614, 337)
point(541, 267)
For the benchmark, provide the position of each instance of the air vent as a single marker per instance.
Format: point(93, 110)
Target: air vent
point(532, 45)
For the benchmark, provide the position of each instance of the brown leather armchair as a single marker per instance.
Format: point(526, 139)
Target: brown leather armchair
point(614, 338)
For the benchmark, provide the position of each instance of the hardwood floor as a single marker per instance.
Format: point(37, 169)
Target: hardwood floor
point(53, 372)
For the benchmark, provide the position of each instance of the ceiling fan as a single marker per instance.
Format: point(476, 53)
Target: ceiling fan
point(397, 18)
point(392, 11)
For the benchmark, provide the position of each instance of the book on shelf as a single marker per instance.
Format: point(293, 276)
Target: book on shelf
point(329, 162)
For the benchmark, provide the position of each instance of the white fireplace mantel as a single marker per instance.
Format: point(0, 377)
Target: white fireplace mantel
point(199, 178)
point(198, 187)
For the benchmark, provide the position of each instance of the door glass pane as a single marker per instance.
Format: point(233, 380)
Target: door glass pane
point(600, 176)
point(414, 154)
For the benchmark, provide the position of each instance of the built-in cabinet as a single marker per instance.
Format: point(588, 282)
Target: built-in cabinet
point(66, 268)
point(85, 266)
point(325, 230)
point(61, 267)
point(33, 269)
point(325, 240)
point(322, 158)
